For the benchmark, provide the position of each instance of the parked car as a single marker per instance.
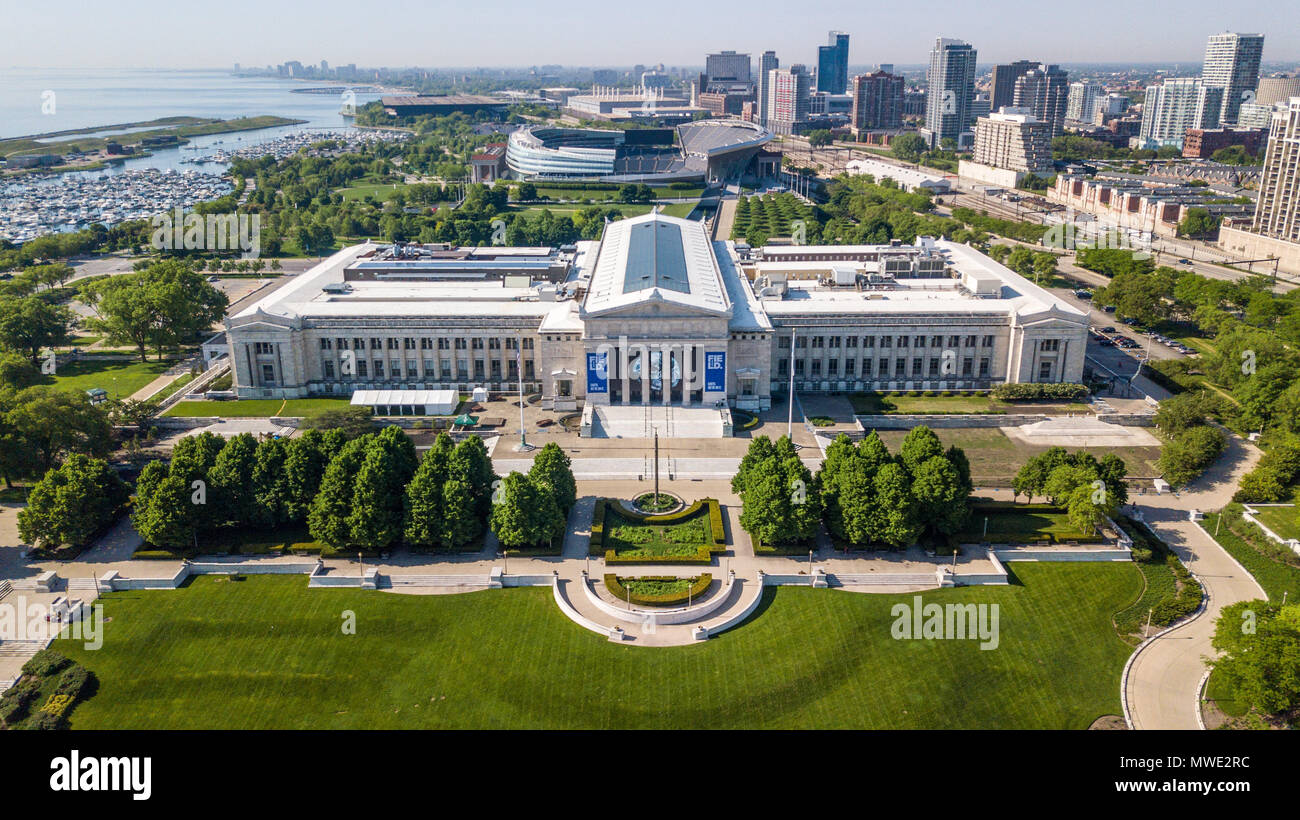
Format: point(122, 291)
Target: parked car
point(1108, 329)
point(1184, 261)
point(1108, 308)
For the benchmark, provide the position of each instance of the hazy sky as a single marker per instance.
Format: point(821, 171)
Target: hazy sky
point(184, 33)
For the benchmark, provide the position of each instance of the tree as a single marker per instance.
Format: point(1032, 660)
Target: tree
point(1198, 222)
point(780, 503)
point(940, 497)
point(908, 147)
point(526, 515)
point(52, 424)
point(760, 449)
point(551, 471)
point(29, 324)
point(353, 421)
point(305, 459)
point(425, 498)
point(1083, 510)
point(233, 497)
point(163, 305)
point(1113, 471)
point(919, 446)
point(375, 520)
point(471, 464)
point(168, 518)
point(893, 519)
point(1261, 666)
point(328, 518)
point(270, 483)
point(72, 503)
point(17, 371)
point(1185, 457)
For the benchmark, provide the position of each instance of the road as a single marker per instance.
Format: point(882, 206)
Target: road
point(1163, 685)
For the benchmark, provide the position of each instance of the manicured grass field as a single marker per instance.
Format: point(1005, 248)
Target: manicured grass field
point(995, 459)
point(876, 403)
point(1026, 523)
point(1276, 578)
point(267, 652)
point(254, 408)
point(120, 377)
point(1285, 521)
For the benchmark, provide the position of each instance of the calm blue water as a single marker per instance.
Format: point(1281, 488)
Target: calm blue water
point(86, 98)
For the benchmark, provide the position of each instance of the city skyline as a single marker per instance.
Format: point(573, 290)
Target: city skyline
point(901, 36)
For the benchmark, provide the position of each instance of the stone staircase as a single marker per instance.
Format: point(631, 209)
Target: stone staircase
point(866, 579)
point(23, 649)
point(408, 581)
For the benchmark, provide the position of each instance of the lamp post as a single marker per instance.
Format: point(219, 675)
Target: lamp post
point(789, 422)
point(519, 372)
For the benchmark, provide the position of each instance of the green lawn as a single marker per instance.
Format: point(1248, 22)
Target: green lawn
point(880, 403)
point(1285, 521)
point(267, 652)
point(1024, 523)
point(995, 459)
point(254, 408)
point(120, 377)
point(1275, 577)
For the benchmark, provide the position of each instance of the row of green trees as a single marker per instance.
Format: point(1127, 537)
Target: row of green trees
point(368, 493)
point(863, 493)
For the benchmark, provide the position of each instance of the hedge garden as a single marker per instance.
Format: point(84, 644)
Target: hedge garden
point(658, 590)
point(689, 536)
point(50, 688)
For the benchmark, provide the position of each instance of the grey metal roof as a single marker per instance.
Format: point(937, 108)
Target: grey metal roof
point(656, 258)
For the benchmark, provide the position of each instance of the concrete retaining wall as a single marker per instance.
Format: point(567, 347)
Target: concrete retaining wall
point(660, 616)
point(907, 422)
point(573, 614)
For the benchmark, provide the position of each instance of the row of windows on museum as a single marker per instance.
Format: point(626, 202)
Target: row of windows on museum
point(815, 342)
point(881, 368)
point(425, 343)
point(363, 369)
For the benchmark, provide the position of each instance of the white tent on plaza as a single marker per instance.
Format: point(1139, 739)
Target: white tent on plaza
point(408, 402)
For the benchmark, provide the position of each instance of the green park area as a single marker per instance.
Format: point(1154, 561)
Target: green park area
point(938, 404)
point(1285, 521)
point(120, 377)
point(995, 458)
point(1021, 524)
point(266, 652)
point(254, 408)
point(689, 536)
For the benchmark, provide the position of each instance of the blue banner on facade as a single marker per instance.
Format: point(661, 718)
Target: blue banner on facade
point(597, 372)
point(715, 372)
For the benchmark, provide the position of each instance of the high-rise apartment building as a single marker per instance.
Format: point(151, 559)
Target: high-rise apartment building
point(877, 101)
point(1081, 101)
point(1180, 103)
point(727, 67)
point(833, 64)
point(1277, 210)
point(766, 63)
point(789, 90)
point(1003, 88)
point(1013, 139)
point(950, 87)
point(1044, 91)
point(1232, 64)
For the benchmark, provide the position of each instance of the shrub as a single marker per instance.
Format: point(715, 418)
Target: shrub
point(673, 597)
point(1033, 391)
point(44, 721)
point(597, 528)
point(17, 702)
point(715, 523)
point(73, 682)
point(45, 663)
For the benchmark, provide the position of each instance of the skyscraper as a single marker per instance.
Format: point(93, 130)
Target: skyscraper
point(1081, 102)
point(1232, 63)
point(766, 63)
point(950, 87)
point(1043, 91)
point(877, 101)
point(789, 90)
point(726, 67)
point(833, 64)
point(1180, 103)
point(1277, 212)
point(1003, 90)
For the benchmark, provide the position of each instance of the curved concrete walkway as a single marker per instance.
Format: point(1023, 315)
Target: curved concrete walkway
point(1162, 689)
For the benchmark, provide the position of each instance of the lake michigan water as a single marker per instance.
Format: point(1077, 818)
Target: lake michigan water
point(88, 98)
